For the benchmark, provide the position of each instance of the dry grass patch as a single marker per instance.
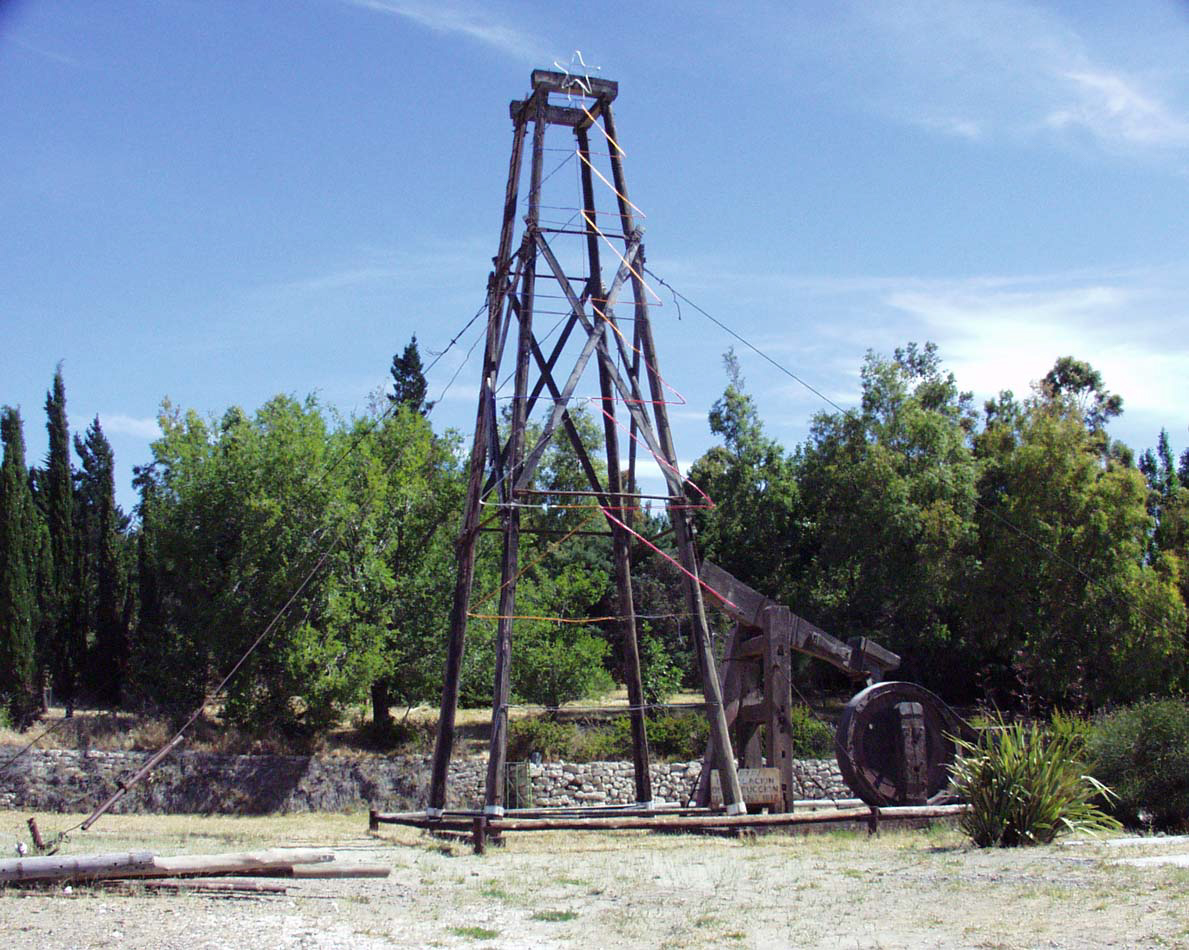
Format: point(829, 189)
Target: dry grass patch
point(901, 889)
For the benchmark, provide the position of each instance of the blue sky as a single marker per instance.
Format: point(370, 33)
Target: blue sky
point(219, 201)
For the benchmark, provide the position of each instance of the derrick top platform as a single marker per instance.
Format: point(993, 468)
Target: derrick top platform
point(600, 92)
point(574, 85)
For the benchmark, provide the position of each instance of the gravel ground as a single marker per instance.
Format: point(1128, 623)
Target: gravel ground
point(900, 889)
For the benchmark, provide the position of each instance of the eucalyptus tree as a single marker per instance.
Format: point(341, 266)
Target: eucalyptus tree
point(887, 517)
point(1069, 605)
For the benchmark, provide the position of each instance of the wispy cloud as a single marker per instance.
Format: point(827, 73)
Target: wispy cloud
point(1003, 68)
point(53, 56)
point(995, 331)
point(119, 424)
point(480, 25)
point(1113, 108)
point(444, 264)
point(961, 128)
point(1009, 338)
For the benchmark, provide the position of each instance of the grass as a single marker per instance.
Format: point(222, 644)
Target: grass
point(475, 933)
point(189, 834)
point(637, 890)
point(554, 916)
point(496, 891)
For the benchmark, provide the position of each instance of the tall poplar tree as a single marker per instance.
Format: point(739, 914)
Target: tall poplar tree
point(66, 648)
point(18, 575)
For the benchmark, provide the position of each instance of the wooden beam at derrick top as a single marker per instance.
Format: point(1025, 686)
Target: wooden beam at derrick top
point(570, 84)
point(567, 116)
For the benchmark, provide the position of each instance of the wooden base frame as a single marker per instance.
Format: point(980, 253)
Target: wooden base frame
point(812, 814)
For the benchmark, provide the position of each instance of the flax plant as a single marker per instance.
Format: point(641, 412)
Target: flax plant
point(1026, 785)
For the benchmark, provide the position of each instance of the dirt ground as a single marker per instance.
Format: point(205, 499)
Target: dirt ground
point(900, 889)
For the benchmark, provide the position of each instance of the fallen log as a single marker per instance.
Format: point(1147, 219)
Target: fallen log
point(331, 871)
point(221, 888)
point(237, 863)
point(59, 867)
point(145, 864)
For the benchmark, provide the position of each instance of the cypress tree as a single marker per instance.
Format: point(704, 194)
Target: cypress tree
point(67, 643)
point(98, 555)
point(148, 667)
point(18, 596)
point(408, 380)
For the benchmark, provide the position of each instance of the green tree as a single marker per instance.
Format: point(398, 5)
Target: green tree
point(166, 668)
point(1067, 606)
point(1168, 501)
point(408, 380)
point(241, 517)
point(1078, 386)
point(561, 660)
point(333, 532)
point(18, 576)
point(753, 530)
point(394, 570)
point(66, 652)
point(887, 513)
point(99, 524)
point(565, 577)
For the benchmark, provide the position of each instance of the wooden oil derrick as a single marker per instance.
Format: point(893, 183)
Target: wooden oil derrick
point(530, 257)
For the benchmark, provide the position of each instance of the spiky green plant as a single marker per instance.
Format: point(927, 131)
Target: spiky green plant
point(1026, 785)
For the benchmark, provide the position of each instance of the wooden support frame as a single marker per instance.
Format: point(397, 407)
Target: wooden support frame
point(756, 682)
point(499, 474)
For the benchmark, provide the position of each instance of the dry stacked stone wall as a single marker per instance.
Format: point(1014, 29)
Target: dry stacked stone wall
point(199, 783)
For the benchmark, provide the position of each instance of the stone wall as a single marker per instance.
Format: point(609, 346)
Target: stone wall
point(198, 783)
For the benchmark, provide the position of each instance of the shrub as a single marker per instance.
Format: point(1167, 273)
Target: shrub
point(1142, 752)
point(606, 742)
point(670, 737)
point(551, 739)
point(1026, 785)
point(391, 735)
point(660, 676)
point(1078, 727)
point(677, 736)
point(812, 738)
